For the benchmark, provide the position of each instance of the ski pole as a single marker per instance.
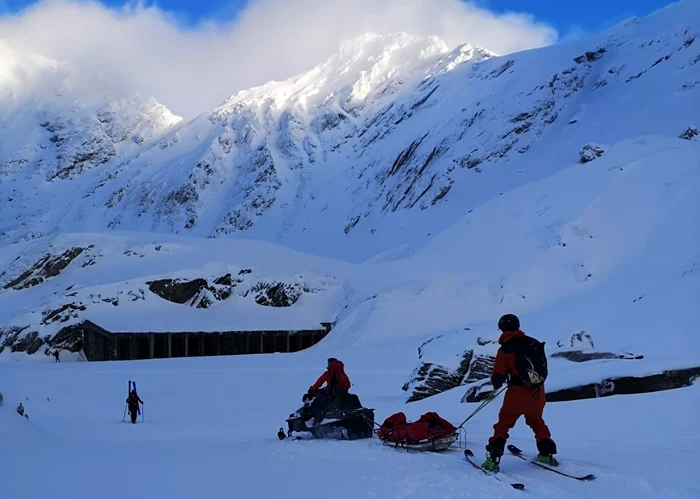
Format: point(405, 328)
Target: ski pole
point(483, 404)
point(124, 416)
point(143, 413)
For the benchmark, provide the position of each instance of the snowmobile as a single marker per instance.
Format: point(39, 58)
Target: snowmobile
point(343, 417)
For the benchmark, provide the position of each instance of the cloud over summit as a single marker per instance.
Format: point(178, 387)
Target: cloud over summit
point(193, 69)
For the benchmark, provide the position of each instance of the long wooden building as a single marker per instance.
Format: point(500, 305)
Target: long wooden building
point(100, 344)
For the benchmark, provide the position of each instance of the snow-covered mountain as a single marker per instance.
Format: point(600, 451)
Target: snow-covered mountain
point(60, 127)
point(469, 184)
point(390, 140)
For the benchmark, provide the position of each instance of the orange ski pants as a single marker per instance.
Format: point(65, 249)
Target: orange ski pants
point(520, 401)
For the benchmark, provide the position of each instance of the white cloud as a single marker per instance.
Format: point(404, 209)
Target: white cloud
point(193, 69)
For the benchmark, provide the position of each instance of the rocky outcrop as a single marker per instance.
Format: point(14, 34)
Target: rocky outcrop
point(430, 379)
point(49, 266)
point(666, 380)
point(25, 339)
point(591, 152)
point(178, 291)
point(278, 294)
point(29, 343)
point(690, 133)
point(580, 340)
point(590, 56)
point(64, 313)
point(69, 338)
point(580, 356)
point(9, 336)
point(196, 292)
point(480, 368)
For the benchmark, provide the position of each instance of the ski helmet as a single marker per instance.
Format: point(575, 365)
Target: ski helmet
point(509, 322)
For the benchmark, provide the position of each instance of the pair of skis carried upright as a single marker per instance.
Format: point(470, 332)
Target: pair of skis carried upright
point(138, 408)
point(468, 454)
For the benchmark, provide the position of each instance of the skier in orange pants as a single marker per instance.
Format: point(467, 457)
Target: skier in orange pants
point(521, 363)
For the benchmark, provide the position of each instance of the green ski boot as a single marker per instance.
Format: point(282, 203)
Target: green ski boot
point(548, 460)
point(492, 463)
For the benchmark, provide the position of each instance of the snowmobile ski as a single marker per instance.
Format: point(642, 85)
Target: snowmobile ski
point(521, 455)
point(468, 454)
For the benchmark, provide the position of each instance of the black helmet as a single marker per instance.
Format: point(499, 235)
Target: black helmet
point(509, 322)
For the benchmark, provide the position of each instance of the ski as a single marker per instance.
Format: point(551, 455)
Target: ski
point(138, 407)
point(519, 454)
point(468, 456)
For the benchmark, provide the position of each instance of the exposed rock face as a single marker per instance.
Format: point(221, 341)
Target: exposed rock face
point(579, 356)
point(276, 294)
point(64, 313)
point(197, 292)
point(480, 368)
point(69, 338)
point(690, 133)
point(49, 266)
point(666, 380)
point(591, 152)
point(22, 339)
point(177, 290)
point(430, 379)
point(30, 343)
point(9, 336)
point(580, 340)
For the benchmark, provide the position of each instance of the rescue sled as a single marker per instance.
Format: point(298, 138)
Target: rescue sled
point(430, 433)
point(344, 418)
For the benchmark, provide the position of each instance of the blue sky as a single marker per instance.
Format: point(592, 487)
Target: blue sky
point(569, 17)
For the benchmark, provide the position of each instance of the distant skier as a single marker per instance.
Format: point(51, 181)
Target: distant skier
point(133, 402)
point(337, 385)
point(56, 356)
point(20, 411)
point(521, 362)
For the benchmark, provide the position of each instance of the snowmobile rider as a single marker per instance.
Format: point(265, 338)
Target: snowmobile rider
point(335, 378)
point(523, 397)
point(337, 384)
point(133, 402)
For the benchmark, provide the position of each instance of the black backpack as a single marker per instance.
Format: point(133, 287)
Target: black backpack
point(530, 361)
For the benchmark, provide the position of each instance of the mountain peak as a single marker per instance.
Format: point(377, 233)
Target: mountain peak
point(362, 65)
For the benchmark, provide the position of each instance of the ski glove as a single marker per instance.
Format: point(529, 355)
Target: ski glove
point(497, 380)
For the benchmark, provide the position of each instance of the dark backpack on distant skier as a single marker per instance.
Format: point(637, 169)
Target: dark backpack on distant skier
point(530, 361)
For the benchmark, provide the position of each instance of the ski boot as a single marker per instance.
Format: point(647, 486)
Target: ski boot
point(546, 449)
point(493, 458)
point(549, 460)
point(492, 464)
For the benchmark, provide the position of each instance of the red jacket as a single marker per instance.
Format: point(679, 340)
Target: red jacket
point(335, 377)
point(505, 362)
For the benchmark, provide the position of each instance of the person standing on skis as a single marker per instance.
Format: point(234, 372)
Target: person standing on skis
point(521, 362)
point(133, 402)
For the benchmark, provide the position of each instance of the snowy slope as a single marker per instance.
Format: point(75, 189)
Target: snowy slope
point(390, 141)
point(210, 429)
